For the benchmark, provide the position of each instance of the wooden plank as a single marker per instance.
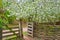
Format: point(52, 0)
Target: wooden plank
point(10, 37)
point(30, 26)
point(30, 32)
point(7, 33)
point(30, 35)
point(30, 29)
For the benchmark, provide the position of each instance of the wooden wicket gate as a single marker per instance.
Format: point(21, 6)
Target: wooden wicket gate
point(30, 29)
point(9, 35)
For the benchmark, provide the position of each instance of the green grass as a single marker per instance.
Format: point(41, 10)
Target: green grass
point(24, 33)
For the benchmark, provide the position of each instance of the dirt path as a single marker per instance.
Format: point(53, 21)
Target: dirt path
point(26, 37)
point(25, 29)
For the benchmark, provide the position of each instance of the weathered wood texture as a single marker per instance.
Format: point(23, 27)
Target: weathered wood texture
point(21, 28)
point(7, 34)
point(30, 29)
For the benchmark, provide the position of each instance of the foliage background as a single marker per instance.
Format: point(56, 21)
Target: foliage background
point(34, 10)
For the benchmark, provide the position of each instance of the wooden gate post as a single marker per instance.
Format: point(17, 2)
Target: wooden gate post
point(20, 28)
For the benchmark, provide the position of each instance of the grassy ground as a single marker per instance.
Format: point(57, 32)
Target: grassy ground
point(24, 33)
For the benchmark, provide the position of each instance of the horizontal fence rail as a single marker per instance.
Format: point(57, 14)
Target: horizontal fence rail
point(7, 34)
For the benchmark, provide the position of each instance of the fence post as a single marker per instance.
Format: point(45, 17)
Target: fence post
point(20, 29)
point(0, 33)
